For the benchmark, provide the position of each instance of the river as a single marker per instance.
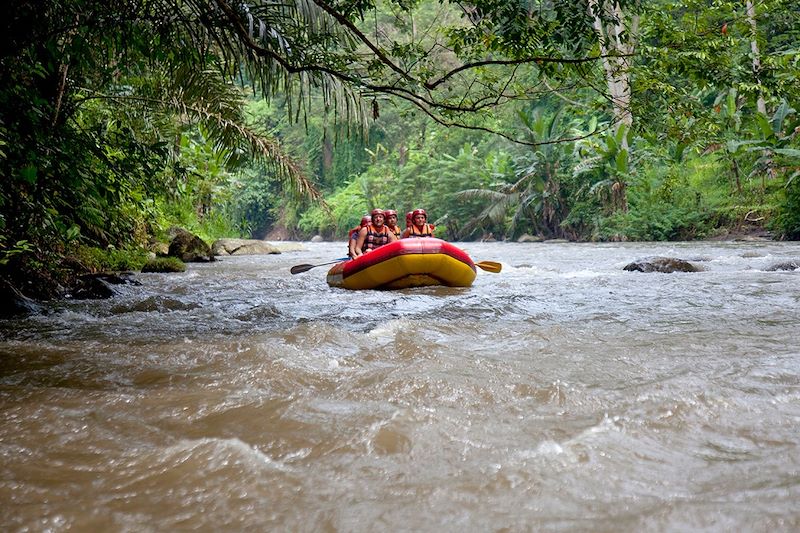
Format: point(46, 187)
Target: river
point(561, 394)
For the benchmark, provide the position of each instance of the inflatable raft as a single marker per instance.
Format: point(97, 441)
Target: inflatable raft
point(406, 263)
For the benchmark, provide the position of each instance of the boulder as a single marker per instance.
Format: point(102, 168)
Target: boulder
point(317, 238)
point(256, 248)
point(13, 302)
point(665, 265)
point(529, 238)
point(243, 247)
point(289, 247)
point(189, 248)
point(98, 286)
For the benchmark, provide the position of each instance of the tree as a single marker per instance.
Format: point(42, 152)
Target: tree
point(536, 200)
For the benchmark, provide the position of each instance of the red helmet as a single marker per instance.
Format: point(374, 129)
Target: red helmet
point(365, 220)
point(419, 212)
point(389, 212)
point(376, 212)
point(408, 217)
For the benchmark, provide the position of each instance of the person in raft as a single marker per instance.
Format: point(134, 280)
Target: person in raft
point(419, 225)
point(408, 219)
point(352, 238)
point(390, 219)
point(374, 235)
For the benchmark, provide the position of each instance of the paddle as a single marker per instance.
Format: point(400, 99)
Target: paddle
point(305, 268)
point(489, 266)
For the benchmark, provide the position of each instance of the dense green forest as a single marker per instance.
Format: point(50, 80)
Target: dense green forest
point(587, 120)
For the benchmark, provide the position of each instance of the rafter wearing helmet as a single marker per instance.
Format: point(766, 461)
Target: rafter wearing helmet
point(419, 225)
point(374, 235)
point(390, 219)
point(352, 236)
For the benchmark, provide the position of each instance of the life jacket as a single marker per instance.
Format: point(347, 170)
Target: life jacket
point(426, 231)
point(375, 238)
point(397, 231)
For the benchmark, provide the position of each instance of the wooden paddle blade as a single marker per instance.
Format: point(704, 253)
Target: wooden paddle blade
point(490, 266)
point(301, 268)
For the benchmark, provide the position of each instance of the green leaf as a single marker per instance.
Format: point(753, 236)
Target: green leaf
point(622, 161)
point(764, 125)
point(791, 152)
point(780, 115)
point(29, 173)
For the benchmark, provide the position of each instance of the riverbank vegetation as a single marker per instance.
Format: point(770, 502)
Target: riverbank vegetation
point(649, 120)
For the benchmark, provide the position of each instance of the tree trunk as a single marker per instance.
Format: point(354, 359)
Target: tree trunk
point(617, 47)
point(751, 18)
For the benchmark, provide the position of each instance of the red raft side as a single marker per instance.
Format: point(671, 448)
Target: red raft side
point(406, 263)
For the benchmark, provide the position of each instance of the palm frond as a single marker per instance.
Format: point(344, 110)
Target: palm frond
point(600, 185)
point(233, 138)
point(480, 194)
point(586, 165)
point(189, 97)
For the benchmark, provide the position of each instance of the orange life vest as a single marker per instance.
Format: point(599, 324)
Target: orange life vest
point(375, 238)
point(397, 231)
point(426, 231)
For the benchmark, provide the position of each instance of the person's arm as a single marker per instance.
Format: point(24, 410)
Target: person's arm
point(351, 246)
point(392, 236)
point(406, 233)
point(362, 236)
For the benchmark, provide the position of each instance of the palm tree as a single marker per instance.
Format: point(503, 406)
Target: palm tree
point(535, 200)
point(96, 96)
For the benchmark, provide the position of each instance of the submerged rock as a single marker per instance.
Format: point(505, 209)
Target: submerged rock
point(785, 265)
point(665, 265)
point(98, 286)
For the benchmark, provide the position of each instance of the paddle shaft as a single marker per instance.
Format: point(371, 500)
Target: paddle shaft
point(297, 269)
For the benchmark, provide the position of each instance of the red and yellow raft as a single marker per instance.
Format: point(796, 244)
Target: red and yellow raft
point(406, 263)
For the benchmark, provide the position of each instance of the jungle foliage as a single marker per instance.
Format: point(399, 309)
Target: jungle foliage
point(587, 120)
point(690, 156)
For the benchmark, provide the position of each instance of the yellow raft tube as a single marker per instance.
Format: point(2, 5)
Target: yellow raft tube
point(406, 263)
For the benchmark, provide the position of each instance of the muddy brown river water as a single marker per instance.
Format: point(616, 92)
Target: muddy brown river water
point(563, 394)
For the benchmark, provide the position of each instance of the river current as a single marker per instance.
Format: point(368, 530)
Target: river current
point(562, 394)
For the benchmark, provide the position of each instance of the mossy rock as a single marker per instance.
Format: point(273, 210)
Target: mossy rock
point(164, 264)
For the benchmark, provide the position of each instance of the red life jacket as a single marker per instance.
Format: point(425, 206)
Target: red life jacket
point(375, 238)
point(426, 231)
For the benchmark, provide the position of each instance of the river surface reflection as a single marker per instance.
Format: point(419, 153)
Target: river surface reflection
point(561, 394)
